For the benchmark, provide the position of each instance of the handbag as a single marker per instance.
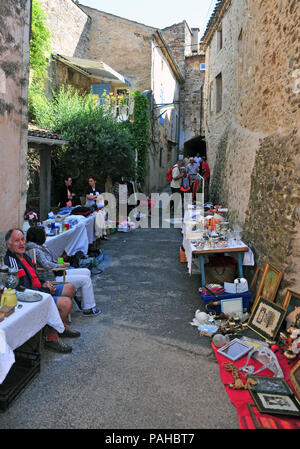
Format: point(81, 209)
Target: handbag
point(220, 269)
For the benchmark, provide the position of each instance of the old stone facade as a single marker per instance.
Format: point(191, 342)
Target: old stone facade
point(70, 27)
point(123, 44)
point(181, 40)
point(252, 118)
point(166, 86)
point(14, 74)
point(128, 48)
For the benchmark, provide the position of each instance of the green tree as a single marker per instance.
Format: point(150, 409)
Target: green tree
point(40, 42)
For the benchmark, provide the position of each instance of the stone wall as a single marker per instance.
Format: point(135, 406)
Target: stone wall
point(14, 74)
point(177, 37)
point(70, 28)
point(192, 110)
point(61, 74)
point(123, 44)
point(253, 142)
point(272, 219)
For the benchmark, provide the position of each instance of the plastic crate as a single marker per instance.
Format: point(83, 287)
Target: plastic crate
point(247, 300)
point(23, 371)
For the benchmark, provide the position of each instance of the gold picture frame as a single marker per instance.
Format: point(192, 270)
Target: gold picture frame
point(266, 318)
point(289, 296)
point(294, 376)
point(269, 283)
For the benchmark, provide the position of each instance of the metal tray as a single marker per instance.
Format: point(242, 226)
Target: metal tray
point(29, 297)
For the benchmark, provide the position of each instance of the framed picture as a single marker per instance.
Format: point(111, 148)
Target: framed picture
point(294, 376)
point(266, 318)
point(276, 385)
point(274, 403)
point(269, 283)
point(254, 343)
point(256, 277)
point(232, 306)
point(234, 350)
point(291, 303)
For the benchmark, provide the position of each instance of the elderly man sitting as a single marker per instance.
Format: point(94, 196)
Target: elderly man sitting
point(15, 257)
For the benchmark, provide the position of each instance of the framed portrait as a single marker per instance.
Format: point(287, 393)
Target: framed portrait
point(269, 283)
point(291, 303)
point(294, 376)
point(275, 403)
point(266, 318)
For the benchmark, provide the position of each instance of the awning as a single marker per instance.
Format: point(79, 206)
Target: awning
point(94, 69)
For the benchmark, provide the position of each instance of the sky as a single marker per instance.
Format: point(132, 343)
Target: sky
point(158, 13)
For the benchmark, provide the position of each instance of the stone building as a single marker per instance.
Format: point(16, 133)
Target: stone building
point(14, 75)
point(184, 44)
point(131, 49)
point(252, 119)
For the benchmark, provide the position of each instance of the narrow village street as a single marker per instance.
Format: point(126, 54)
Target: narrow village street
point(139, 364)
point(111, 111)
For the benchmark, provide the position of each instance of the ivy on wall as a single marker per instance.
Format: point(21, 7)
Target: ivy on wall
point(139, 128)
point(40, 46)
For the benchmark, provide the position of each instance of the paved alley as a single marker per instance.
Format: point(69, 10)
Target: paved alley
point(139, 364)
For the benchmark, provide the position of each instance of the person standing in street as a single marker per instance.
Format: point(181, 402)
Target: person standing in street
point(205, 172)
point(66, 196)
point(176, 177)
point(176, 180)
point(198, 160)
point(92, 193)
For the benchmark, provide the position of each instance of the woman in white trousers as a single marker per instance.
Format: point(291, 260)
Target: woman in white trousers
point(79, 277)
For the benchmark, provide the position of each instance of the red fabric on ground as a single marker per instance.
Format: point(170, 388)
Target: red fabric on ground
point(240, 398)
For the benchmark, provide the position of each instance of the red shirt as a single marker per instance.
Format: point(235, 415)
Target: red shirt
point(205, 170)
point(35, 280)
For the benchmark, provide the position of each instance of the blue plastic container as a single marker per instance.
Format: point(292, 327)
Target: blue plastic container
point(247, 300)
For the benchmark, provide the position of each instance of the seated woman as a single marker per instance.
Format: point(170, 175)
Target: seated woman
point(79, 277)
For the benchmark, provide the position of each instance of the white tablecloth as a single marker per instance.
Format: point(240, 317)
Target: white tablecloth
point(90, 228)
point(75, 239)
point(190, 248)
point(23, 324)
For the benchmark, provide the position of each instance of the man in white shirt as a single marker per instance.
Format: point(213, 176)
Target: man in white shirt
point(176, 182)
point(176, 177)
point(198, 160)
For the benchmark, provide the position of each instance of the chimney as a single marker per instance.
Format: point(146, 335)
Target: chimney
point(195, 40)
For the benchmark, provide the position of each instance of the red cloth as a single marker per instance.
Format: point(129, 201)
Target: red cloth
point(240, 398)
point(35, 280)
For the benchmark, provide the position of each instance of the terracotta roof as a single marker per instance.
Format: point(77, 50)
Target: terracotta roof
point(36, 131)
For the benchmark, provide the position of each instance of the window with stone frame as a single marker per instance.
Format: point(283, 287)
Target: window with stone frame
point(211, 97)
point(219, 92)
point(219, 38)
